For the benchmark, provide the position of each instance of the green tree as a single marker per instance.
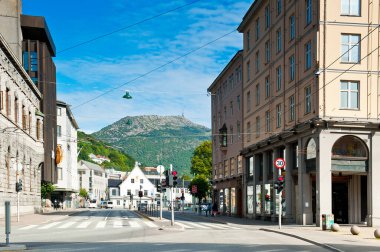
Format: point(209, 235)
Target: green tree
point(203, 186)
point(46, 189)
point(201, 162)
point(83, 193)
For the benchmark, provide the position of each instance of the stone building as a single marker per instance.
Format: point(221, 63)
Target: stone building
point(311, 96)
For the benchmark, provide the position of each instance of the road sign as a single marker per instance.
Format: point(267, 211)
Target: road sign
point(160, 169)
point(194, 189)
point(279, 163)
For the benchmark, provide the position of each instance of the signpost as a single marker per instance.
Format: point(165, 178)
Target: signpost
point(280, 163)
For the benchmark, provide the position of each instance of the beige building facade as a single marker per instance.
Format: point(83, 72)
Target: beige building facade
point(311, 96)
point(227, 142)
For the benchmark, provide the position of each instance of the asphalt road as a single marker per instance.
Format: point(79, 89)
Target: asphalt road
point(123, 230)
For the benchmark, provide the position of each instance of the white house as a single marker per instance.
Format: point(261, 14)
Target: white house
point(93, 178)
point(137, 181)
point(67, 184)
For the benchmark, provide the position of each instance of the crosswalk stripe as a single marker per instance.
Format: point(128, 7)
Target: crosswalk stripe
point(183, 225)
point(231, 227)
point(28, 227)
point(101, 224)
point(84, 224)
point(50, 225)
point(117, 224)
point(150, 224)
point(134, 224)
point(68, 224)
point(196, 225)
point(214, 226)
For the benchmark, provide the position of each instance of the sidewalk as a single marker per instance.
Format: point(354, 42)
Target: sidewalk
point(333, 241)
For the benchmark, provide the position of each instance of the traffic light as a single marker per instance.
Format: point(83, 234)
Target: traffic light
point(19, 186)
point(174, 174)
point(140, 194)
point(159, 189)
point(279, 185)
point(166, 173)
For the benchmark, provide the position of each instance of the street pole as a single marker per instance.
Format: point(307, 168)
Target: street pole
point(183, 190)
point(280, 211)
point(161, 197)
point(172, 193)
point(18, 197)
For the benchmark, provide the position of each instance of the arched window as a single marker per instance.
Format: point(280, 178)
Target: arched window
point(311, 149)
point(349, 147)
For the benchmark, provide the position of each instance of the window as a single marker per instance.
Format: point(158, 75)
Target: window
point(60, 173)
point(279, 7)
point(238, 102)
point(145, 192)
point(349, 95)
point(141, 181)
point(8, 102)
point(238, 129)
point(257, 28)
point(248, 101)
point(292, 113)
point(308, 55)
point(231, 108)
point(232, 134)
point(278, 112)
point(292, 30)
point(114, 192)
point(25, 59)
point(309, 14)
point(129, 192)
point(292, 70)
point(257, 61)
point(350, 48)
point(248, 131)
point(267, 17)
point(248, 71)
point(267, 87)
point(33, 62)
point(1, 100)
point(350, 7)
point(267, 51)
point(257, 94)
point(16, 110)
point(132, 181)
point(248, 36)
point(59, 133)
point(38, 129)
point(267, 121)
point(279, 78)
point(258, 126)
point(307, 100)
point(35, 80)
point(59, 111)
point(279, 40)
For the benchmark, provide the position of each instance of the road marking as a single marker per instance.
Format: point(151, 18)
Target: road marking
point(107, 215)
point(134, 224)
point(150, 224)
point(214, 226)
point(28, 227)
point(183, 225)
point(50, 225)
point(84, 224)
point(101, 224)
point(117, 224)
point(68, 224)
point(231, 227)
point(196, 225)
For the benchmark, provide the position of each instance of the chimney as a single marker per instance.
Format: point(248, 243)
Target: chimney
point(10, 25)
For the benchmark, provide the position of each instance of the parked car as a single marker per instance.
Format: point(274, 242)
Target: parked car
point(103, 204)
point(109, 204)
point(92, 204)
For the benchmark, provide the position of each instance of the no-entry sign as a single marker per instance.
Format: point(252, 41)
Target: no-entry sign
point(279, 163)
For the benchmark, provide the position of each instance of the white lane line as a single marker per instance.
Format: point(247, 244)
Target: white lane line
point(50, 225)
point(183, 225)
point(150, 224)
point(231, 227)
point(134, 224)
point(28, 227)
point(214, 226)
point(196, 225)
point(101, 224)
point(68, 224)
point(117, 224)
point(107, 215)
point(84, 224)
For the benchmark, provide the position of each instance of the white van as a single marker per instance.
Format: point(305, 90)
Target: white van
point(93, 204)
point(109, 204)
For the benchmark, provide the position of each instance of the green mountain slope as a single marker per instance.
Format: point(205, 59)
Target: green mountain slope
point(156, 139)
point(87, 144)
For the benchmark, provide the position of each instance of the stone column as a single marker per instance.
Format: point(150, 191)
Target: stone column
point(289, 184)
point(304, 185)
point(265, 179)
point(324, 182)
point(374, 185)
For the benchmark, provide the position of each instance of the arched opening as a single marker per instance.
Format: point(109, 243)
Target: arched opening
point(349, 166)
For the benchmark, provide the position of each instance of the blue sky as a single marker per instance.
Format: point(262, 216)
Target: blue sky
point(89, 70)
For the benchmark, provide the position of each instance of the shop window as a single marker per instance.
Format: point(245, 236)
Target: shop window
point(349, 147)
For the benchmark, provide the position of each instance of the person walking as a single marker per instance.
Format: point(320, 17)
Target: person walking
point(214, 209)
point(208, 209)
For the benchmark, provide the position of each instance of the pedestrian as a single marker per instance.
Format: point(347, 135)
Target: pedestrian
point(214, 209)
point(55, 204)
point(208, 209)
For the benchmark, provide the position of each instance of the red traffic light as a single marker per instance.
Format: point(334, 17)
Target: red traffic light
point(281, 178)
point(174, 173)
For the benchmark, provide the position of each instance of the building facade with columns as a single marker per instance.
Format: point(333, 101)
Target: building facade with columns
point(311, 96)
point(227, 141)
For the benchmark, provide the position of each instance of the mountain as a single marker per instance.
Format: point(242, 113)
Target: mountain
point(87, 144)
point(154, 140)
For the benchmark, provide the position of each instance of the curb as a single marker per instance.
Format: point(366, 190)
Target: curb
point(143, 215)
point(12, 247)
point(323, 245)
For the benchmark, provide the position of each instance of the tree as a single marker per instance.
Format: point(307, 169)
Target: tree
point(83, 193)
point(203, 186)
point(201, 162)
point(46, 189)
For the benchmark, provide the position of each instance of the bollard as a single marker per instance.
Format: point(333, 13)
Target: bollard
point(7, 221)
point(355, 230)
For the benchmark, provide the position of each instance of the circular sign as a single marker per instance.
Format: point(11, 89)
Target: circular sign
point(279, 163)
point(160, 169)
